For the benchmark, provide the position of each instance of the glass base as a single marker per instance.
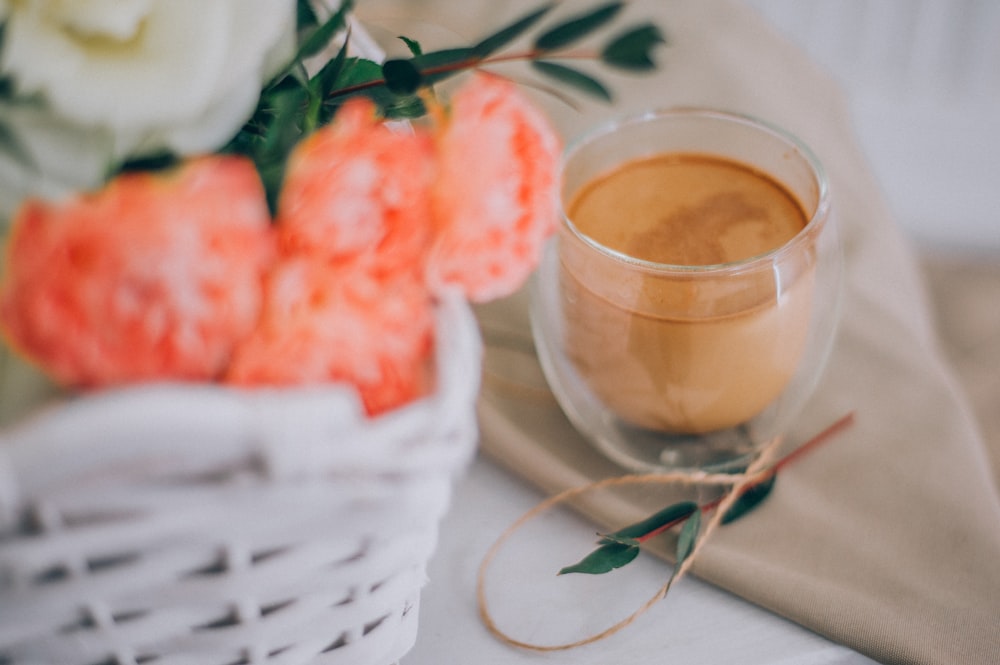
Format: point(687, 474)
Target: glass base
point(643, 450)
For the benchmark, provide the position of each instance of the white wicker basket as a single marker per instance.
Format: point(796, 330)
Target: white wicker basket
point(175, 524)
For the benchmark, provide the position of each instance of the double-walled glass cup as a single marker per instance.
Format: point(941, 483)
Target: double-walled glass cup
point(668, 366)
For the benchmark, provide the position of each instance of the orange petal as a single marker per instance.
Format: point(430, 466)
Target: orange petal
point(335, 323)
point(156, 276)
point(358, 190)
point(495, 194)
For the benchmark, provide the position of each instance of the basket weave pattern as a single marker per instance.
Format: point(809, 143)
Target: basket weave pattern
point(175, 524)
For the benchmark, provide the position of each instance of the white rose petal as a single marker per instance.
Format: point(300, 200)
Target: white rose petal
point(183, 74)
point(62, 158)
point(112, 19)
point(236, 95)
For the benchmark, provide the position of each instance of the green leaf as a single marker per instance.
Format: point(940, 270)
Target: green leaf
point(326, 78)
point(452, 57)
point(604, 559)
point(439, 65)
point(576, 28)
point(369, 74)
point(401, 76)
point(14, 147)
point(296, 74)
point(687, 537)
point(280, 131)
point(364, 77)
point(320, 38)
point(305, 17)
point(672, 513)
point(509, 33)
point(284, 130)
point(156, 162)
point(632, 50)
point(272, 175)
point(573, 77)
point(358, 71)
point(609, 538)
point(413, 45)
point(750, 499)
point(621, 547)
point(6, 82)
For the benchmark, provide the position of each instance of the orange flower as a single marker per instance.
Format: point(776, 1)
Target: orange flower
point(153, 277)
point(359, 190)
point(327, 323)
point(346, 302)
point(495, 195)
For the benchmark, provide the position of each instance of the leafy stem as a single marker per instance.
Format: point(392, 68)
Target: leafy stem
point(443, 70)
point(297, 102)
point(622, 547)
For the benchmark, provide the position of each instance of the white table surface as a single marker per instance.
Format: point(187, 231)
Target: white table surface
point(695, 623)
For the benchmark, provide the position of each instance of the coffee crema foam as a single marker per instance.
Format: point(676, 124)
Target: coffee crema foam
point(685, 351)
point(687, 209)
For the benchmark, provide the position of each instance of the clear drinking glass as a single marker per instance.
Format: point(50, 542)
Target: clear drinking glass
point(687, 366)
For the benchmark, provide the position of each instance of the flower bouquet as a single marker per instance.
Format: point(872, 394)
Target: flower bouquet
point(253, 292)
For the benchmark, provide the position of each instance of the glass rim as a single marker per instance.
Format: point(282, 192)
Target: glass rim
point(814, 224)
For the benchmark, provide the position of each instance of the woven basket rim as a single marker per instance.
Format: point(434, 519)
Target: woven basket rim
point(286, 430)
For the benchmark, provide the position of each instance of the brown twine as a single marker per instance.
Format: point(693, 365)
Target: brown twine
point(739, 483)
point(754, 473)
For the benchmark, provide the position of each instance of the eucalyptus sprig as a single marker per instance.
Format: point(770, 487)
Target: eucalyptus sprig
point(620, 548)
point(296, 102)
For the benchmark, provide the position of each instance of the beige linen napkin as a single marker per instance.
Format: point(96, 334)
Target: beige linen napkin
point(887, 539)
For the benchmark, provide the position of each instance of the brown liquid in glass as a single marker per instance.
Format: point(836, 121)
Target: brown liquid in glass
point(686, 351)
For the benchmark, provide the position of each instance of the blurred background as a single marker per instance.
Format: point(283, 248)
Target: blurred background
point(923, 79)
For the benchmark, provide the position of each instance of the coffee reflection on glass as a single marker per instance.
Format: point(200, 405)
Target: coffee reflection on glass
point(689, 302)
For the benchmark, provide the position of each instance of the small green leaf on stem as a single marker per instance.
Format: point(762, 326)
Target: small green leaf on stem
point(688, 536)
point(577, 27)
point(669, 515)
point(685, 544)
point(412, 44)
point(321, 36)
point(14, 148)
point(361, 77)
point(271, 149)
point(325, 81)
point(750, 499)
point(622, 546)
point(358, 71)
point(573, 77)
point(604, 559)
point(509, 33)
point(632, 50)
point(438, 65)
point(607, 539)
point(305, 17)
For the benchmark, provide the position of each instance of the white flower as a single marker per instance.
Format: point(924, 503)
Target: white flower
point(177, 74)
point(53, 158)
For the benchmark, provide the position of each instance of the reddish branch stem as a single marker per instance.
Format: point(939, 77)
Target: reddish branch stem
point(764, 474)
point(469, 63)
